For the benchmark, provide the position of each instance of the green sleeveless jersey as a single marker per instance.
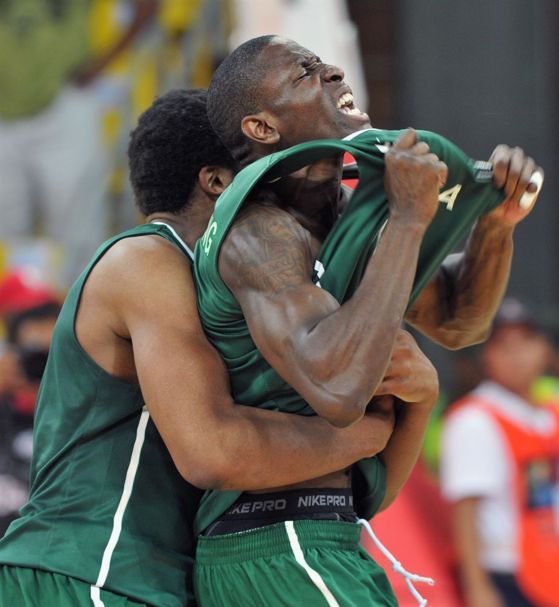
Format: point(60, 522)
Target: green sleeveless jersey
point(338, 269)
point(107, 505)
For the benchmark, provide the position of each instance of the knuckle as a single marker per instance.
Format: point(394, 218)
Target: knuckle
point(501, 151)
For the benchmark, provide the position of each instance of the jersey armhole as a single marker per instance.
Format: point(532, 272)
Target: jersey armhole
point(149, 230)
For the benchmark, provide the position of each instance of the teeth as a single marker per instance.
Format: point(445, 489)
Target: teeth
point(345, 99)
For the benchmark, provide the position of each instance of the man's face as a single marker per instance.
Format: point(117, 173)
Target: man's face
point(309, 99)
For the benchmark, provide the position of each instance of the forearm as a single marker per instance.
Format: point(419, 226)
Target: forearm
point(483, 277)
point(254, 449)
point(469, 289)
point(404, 447)
point(364, 328)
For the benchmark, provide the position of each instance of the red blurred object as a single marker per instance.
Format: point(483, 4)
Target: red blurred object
point(348, 160)
point(21, 290)
point(416, 528)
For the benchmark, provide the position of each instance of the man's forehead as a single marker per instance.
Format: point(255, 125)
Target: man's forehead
point(288, 51)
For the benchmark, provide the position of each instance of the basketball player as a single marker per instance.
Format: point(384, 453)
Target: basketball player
point(135, 410)
point(275, 315)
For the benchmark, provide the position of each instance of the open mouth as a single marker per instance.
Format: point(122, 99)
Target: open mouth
point(345, 105)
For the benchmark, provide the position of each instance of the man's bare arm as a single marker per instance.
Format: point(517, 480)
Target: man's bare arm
point(149, 293)
point(411, 378)
point(456, 309)
point(334, 356)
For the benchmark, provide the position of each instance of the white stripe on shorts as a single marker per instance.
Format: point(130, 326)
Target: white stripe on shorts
point(95, 594)
point(300, 558)
point(95, 590)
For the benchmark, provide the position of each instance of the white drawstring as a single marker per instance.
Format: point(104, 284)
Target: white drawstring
point(397, 566)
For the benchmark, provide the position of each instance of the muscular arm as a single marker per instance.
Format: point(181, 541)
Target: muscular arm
point(150, 299)
point(412, 378)
point(334, 356)
point(456, 309)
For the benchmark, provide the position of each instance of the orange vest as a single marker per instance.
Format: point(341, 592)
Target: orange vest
point(536, 481)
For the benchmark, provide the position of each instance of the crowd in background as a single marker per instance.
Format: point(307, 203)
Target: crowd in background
point(74, 76)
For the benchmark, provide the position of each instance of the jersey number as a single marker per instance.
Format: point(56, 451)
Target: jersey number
point(207, 238)
point(449, 196)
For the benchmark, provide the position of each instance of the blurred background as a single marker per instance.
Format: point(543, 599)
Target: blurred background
point(75, 75)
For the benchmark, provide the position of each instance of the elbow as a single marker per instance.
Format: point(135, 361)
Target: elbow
point(339, 398)
point(210, 473)
point(342, 412)
point(459, 339)
point(219, 472)
point(201, 478)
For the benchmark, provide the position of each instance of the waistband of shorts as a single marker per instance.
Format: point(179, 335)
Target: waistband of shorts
point(295, 502)
point(274, 539)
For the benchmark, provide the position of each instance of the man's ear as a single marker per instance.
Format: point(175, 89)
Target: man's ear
point(260, 128)
point(214, 179)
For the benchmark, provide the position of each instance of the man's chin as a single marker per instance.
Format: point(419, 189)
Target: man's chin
point(354, 122)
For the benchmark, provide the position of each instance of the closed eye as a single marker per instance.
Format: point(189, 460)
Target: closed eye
point(309, 69)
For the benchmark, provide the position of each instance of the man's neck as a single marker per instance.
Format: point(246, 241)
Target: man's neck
point(311, 195)
point(185, 228)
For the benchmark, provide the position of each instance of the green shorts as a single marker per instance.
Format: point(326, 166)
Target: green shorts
point(26, 587)
point(309, 562)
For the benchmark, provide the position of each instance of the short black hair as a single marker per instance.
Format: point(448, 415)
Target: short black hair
point(172, 142)
point(234, 93)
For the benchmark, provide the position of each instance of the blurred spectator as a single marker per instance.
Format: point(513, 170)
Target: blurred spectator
point(30, 310)
point(500, 468)
point(546, 388)
point(53, 171)
point(178, 48)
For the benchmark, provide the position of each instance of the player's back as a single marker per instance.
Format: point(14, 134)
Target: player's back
point(107, 505)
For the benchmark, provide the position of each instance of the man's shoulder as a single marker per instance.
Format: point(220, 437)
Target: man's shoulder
point(139, 265)
point(262, 223)
point(265, 247)
point(142, 247)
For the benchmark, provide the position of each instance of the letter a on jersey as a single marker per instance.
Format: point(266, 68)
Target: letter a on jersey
point(449, 196)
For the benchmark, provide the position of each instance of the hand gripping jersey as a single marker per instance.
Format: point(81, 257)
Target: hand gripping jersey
point(339, 267)
point(107, 505)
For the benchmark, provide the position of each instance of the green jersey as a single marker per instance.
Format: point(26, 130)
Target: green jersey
point(107, 505)
point(339, 267)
